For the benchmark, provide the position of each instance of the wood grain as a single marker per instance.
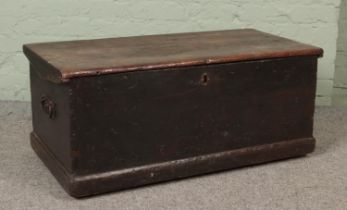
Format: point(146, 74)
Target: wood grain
point(65, 60)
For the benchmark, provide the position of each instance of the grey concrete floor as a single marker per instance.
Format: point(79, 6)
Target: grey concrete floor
point(318, 181)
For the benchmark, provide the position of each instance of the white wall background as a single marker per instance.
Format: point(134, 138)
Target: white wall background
point(341, 58)
point(25, 21)
point(340, 84)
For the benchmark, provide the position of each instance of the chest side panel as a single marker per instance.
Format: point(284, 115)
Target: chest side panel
point(135, 118)
point(51, 117)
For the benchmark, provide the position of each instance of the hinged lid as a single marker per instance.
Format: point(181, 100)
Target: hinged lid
point(61, 61)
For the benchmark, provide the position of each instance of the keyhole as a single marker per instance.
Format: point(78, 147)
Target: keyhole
point(204, 79)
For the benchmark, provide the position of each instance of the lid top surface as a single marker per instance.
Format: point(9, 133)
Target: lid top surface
point(102, 56)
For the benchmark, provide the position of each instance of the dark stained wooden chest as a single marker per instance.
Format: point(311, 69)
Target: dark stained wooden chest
point(111, 114)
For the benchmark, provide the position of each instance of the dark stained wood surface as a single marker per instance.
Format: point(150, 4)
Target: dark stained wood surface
point(64, 60)
point(125, 130)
